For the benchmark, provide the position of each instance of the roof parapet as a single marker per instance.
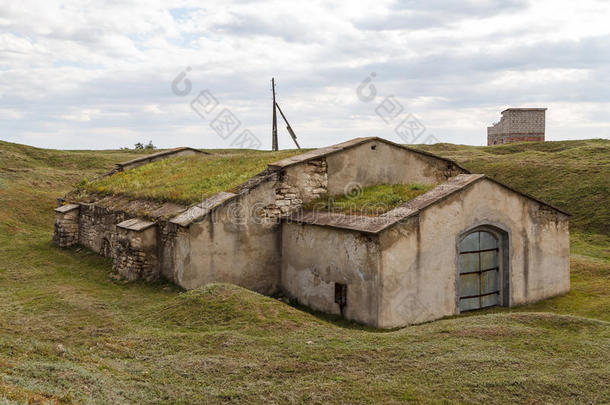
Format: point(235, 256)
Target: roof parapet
point(159, 155)
point(135, 224)
point(374, 225)
point(67, 208)
point(197, 212)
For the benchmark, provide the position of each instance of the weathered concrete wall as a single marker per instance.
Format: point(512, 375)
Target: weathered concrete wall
point(239, 242)
point(314, 258)
point(233, 244)
point(376, 162)
point(166, 247)
point(419, 257)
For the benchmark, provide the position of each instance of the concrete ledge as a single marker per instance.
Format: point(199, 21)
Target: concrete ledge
point(181, 151)
point(199, 211)
point(67, 208)
point(322, 152)
point(135, 224)
point(376, 224)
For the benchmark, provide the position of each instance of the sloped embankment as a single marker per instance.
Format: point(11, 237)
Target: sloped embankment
point(218, 305)
point(573, 175)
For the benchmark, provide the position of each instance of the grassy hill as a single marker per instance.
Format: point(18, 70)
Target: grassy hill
point(68, 333)
point(573, 175)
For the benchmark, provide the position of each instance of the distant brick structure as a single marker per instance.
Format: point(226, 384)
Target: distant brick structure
point(518, 125)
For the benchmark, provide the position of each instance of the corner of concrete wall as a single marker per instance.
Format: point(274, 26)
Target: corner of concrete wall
point(237, 243)
point(315, 258)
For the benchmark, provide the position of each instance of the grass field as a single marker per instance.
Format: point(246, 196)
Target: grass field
point(129, 343)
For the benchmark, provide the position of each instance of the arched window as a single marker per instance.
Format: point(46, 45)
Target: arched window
point(479, 271)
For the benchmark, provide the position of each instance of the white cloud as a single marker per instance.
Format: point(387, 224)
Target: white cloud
point(97, 73)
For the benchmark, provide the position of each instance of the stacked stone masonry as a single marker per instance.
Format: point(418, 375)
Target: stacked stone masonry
point(97, 228)
point(290, 194)
point(66, 226)
point(135, 256)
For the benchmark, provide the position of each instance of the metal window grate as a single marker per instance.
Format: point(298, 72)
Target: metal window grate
point(478, 271)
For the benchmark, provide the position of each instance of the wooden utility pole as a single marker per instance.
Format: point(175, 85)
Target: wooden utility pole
point(288, 127)
point(274, 145)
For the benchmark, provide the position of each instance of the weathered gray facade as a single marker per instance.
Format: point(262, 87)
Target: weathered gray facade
point(403, 267)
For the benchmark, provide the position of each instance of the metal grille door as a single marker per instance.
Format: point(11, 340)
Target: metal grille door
point(478, 265)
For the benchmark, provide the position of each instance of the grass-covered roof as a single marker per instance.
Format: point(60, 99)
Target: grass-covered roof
point(370, 201)
point(186, 179)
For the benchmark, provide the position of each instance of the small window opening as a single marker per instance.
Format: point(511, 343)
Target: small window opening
point(105, 250)
point(341, 296)
point(373, 147)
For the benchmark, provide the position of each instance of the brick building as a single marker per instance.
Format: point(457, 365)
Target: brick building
point(518, 125)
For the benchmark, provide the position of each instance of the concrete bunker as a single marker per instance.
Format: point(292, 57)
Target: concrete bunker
point(411, 264)
point(468, 244)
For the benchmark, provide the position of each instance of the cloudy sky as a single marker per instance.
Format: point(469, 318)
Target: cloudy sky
point(106, 74)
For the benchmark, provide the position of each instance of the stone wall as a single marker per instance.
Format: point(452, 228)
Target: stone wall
point(66, 225)
point(135, 254)
point(518, 125)
point(135, 251)
point(295, 187)
point(98, 227)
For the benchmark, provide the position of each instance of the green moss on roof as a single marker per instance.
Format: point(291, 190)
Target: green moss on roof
point(186, 180)
point(373, 200)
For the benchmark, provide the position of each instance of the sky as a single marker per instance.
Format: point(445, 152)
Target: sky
point(108, 74)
